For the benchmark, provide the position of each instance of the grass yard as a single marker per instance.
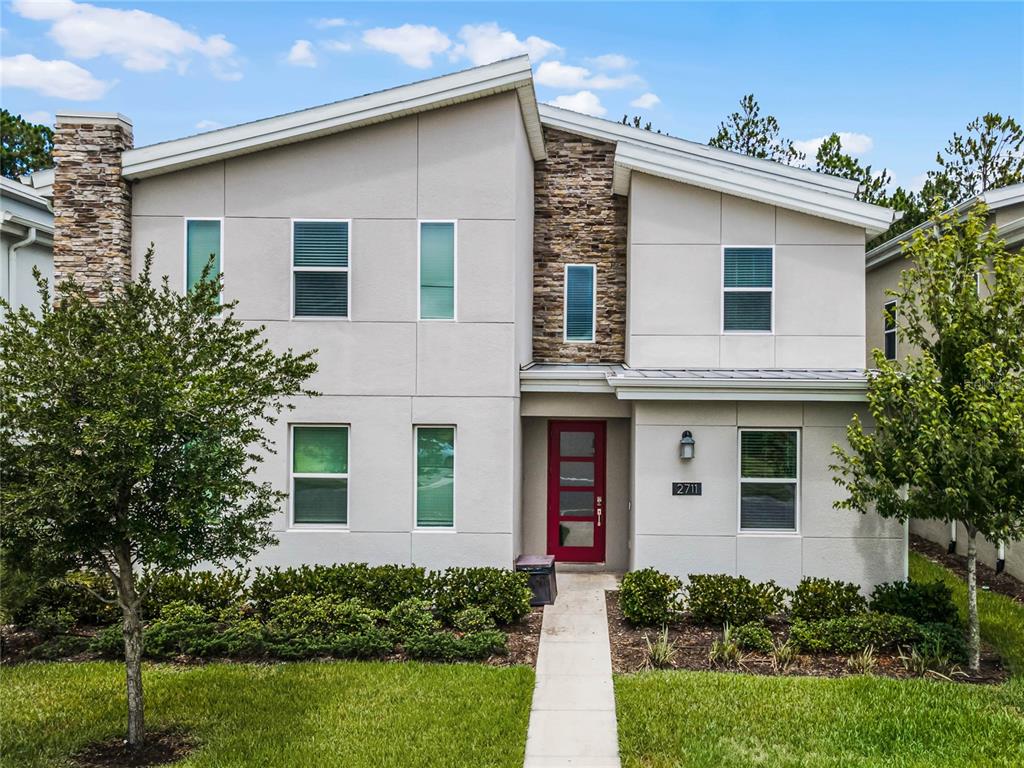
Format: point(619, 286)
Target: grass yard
point(348, 714)
point(696, 719)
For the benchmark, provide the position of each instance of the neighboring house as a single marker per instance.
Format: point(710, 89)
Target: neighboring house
point(26, 238)
point(525, 316)
point(885, 263)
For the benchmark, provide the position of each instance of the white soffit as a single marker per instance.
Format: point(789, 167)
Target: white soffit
point(467, 85)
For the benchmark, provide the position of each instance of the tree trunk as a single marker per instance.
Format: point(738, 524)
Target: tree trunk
point(131, 609)
point(973, 629)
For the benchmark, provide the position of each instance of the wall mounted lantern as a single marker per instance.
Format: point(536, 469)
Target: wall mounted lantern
point(686, 446)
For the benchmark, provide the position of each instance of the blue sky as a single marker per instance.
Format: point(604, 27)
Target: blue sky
point(899, 77)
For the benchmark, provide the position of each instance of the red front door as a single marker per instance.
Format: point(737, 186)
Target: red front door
point(576, 498)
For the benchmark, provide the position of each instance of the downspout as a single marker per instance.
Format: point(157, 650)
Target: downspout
point(12, 263)
point(951, 549)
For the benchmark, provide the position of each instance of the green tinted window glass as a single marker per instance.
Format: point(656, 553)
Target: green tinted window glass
point(320, 500)
point(437, 271)
point(768, 454)
point(435, 477)
point(320, 450)
point(203, 241)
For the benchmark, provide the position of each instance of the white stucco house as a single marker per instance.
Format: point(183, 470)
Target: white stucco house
point(538, 331)
point(26, 236)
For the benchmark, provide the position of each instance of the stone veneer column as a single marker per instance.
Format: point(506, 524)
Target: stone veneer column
point(92, 238)
point(577, 220)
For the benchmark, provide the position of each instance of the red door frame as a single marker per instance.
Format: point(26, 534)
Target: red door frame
point(595, 553)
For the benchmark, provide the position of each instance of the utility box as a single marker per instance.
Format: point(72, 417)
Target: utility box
point(541, 573)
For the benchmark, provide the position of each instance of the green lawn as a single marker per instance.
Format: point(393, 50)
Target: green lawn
point(697, 719)
point(348, 714)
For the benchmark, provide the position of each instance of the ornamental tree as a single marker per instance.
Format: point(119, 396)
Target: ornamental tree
point(948, 437)
point(131, 430)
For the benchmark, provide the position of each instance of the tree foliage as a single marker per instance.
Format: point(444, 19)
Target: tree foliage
point(24, 147)
point(751, 134)
point(948, 437)
point(989, 155)
point(830, 159)
point(637, 122)
point(131, 431)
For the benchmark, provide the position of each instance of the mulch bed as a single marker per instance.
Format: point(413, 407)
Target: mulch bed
point(160, 748)
point(693, 643)
point(523, 641)
point(988, 579)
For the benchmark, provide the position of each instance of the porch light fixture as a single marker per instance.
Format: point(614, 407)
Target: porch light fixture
point(686, 446)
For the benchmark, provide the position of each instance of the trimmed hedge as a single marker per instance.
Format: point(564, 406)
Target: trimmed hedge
point(649, 597)
point(753, 637)
point(502, 595)
point(716, 598)
point(382, 586)
point(815, 599)
point(926, 602)
point(852, 634)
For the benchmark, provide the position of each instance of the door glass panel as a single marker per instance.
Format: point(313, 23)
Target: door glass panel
point(576, 444)
point(576, 503)
point(576, 533)
point(576, 473)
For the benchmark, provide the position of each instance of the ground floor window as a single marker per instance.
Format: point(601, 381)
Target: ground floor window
point(435, 477)
point(319, 475)
point(769, 479)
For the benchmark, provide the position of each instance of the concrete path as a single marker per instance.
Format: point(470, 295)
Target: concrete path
point(572, 722)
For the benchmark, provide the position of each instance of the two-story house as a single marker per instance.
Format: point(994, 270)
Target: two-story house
point(537, 331)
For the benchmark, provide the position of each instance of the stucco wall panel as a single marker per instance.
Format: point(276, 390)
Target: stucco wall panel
point(683, 555)
point(747, 222)
point(673, 351)
point(466, 359)
point(663, 211)
point(256, 266)
point(487, 264)
point(384, 270)
point(167, 234)
point(437, 551)
point(747, 351)
point(679, 287)
point(196, 191)
point(761, 558)
point(868, 562)
point(793, 228)
point(329, 547)
point(820, 290)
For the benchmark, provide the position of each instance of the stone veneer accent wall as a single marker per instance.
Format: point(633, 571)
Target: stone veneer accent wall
point(91, 201)
point(577, 220)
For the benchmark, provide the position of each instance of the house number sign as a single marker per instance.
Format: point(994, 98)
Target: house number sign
point(686, 489)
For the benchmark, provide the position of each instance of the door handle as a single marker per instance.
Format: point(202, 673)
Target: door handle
point(599, 511)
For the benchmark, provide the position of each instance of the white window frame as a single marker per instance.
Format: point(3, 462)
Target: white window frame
point(795, 531)
point(294, 269)
point(292, 525)
point(893, 330)
point(725, 290)
point(184, 276)
point(455, 271)
point(565, 306)
point(416, 527)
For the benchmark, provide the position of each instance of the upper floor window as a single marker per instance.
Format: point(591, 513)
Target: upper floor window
point(202, 243)
point(319, 487)
point(889, 331)
point(320, 265)
point(437, 270)
point(580, 288)
point(747, 280)
point(769, 479)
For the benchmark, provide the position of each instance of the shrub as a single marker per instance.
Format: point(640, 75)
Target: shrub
point(816, 599)
point(70, 594)
point(303, 625)
point(52, 621)
point(722, 599)
point(214, 591)
point(648, 597)
point(182, 629)
point(447, 646)
point(382, 586)
point(59, 647)
point(472, 620)
point(503, 594)
point(412, 617)
point(926, 602)
point(725, 652)
point(862, 663)
point(784, 655)
point(754, 636)
point(109, 642)
point(851, 634)
point(940, 641)
point(662, 652)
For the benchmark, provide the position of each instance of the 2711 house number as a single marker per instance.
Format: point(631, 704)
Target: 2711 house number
point(686, 489)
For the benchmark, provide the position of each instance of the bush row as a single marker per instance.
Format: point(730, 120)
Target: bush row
point(501, 596)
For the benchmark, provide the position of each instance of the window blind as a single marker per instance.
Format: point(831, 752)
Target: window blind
point(748, 267)
point(320, 259)
point(435, 477)
point(203, 243)
point(768, 480)
point(437, 271)
point(747, 284)
point(579, 303)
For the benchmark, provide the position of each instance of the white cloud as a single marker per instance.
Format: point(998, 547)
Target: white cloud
point(415, 44)
point(337, 46)
point(484, 43)
point(645, 101)
point(331, 23)
point(584, 101)
point(611, 61)
point(301, 54)
point(60, 79)
point(40, 116)
point(555, 74)
point(208, 125)
point(139, 40)
point(853, 143)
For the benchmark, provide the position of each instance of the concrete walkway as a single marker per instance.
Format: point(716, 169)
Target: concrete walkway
point(572, 722)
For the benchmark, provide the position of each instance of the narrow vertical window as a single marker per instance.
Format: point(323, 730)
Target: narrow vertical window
point(747, 290)
point(319, 475)
point(437, 270)
point(202, 243)
point(320, 265)
point(580, 283)
point(435, 477)
point(889, 331)
point(769, 479)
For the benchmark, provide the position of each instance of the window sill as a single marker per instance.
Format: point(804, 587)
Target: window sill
point(434, 529)
point(317, 527)
point(769, 532)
